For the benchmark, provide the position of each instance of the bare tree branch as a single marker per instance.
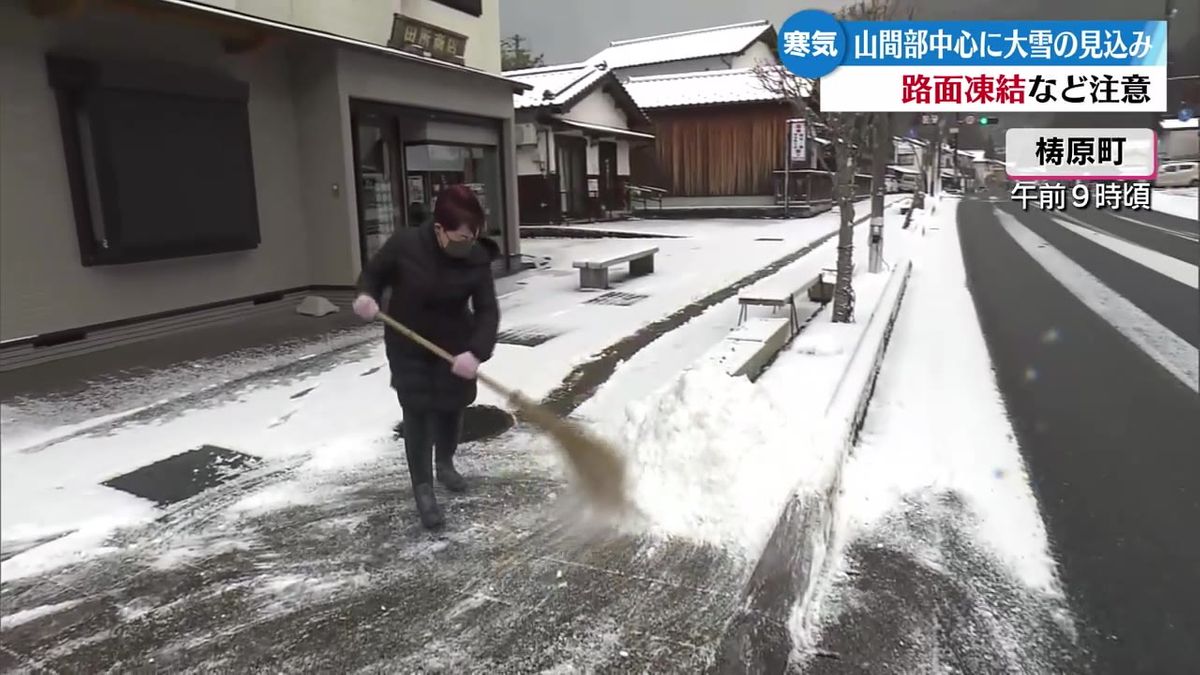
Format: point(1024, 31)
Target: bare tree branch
point(852, 135)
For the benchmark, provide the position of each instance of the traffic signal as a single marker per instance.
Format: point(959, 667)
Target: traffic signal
point(984, 121)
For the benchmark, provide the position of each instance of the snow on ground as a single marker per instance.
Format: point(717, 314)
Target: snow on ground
point(1182, 202)
point(937, 421)
point(26, 422)
point(342, 416)
point(714, 458)
point(937, 434)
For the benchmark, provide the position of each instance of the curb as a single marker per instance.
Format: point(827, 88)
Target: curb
point(758, 638)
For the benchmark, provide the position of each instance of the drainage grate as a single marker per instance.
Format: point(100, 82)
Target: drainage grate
point(617, 298)
point(183, 476)
point(479, 422)
point(528, 336)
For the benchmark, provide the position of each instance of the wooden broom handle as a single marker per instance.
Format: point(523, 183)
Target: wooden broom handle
point(443, 354)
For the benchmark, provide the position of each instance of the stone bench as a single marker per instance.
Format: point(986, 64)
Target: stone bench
point(593, 271)
point(747, 350)
point(776, 292)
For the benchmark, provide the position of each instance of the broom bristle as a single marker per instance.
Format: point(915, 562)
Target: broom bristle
point(597, 465)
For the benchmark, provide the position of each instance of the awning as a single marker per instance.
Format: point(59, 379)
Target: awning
point(350, 43)
point(603, 130)
point(904, 169)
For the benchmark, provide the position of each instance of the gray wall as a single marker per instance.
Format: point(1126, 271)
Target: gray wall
point(43, 286)
point(301, 140)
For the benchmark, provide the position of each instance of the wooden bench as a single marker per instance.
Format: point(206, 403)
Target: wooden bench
point(593, 272)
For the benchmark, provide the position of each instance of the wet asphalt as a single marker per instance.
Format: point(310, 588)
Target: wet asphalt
point(352, 583)
point(1109, 435)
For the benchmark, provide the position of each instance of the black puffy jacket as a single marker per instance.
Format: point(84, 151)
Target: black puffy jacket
point(450, 301)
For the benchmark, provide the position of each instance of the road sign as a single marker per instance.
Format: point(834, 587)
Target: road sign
point(797, 140)
point(1186, 114)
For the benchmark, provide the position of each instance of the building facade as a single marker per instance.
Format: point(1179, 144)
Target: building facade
point(718, 132)
point(170, 163)
point(575, 128)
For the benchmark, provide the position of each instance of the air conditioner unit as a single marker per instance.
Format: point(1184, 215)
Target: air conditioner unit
point(526, 134)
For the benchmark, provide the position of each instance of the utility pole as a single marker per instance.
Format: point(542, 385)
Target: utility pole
point(883, 151)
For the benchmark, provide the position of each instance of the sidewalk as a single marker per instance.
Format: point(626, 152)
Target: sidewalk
point(310, 540)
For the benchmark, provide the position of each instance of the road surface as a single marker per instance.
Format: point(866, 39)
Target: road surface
point(1108, 428)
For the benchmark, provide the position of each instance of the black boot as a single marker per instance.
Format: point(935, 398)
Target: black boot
point(450, 477)
point(427, 507)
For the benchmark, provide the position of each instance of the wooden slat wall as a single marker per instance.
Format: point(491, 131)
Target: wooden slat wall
point(719, 150)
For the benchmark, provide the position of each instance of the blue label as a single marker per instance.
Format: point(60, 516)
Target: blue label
point(812, 43)
point(1186, 114)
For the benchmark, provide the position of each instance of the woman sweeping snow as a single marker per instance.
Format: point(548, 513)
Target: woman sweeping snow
point(433, 272)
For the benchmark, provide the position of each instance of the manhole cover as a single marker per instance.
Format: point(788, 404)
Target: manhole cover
point(617, 298)
point(479, 422)
point(527, 336)
point(183, 476)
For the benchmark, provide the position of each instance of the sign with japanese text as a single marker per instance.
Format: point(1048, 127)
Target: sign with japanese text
point(885, 66)
point(797, 140)
point(1081, 154)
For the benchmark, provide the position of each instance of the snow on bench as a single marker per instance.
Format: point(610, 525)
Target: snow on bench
point(750, 347)
point(777, 290)
point(593, 270)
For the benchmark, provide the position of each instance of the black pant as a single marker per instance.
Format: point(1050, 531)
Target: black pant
point(425, 431)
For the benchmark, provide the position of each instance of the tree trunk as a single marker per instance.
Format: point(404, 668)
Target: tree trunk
point(843, 291)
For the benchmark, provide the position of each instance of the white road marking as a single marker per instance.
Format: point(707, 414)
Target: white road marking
point(1177, 233)
point(1172, 352)
point(1172, 268)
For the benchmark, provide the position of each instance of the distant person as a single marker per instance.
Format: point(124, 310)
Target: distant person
point(440, 277)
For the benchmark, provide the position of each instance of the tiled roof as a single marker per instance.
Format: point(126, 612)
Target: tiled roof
point(691, 44)
point(553, 85)
point(701, 88)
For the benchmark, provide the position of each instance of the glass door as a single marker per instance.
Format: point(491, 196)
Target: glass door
point(378, 170)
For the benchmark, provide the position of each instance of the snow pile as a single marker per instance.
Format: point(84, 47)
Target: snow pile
point(713, 459)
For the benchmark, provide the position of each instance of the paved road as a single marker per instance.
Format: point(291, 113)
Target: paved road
point(1109, 433)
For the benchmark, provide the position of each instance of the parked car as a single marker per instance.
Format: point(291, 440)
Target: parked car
point(1178, 174)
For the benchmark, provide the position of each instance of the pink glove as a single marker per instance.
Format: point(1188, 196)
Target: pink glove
point(366, 307)
point(465, 366)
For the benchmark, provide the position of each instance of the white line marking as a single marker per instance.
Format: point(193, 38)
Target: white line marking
point(1177, 233)
point(1172, 268)
point(1172, 352)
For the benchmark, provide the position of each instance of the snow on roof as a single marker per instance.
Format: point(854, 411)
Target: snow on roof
point(553, 85)
point(1171, 124)
point(689, 44)
point(700, 88)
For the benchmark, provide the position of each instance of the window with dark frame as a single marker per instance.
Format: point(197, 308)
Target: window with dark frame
point(158, 158)
point(472, 7)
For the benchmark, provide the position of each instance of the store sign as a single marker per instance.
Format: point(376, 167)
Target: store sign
point(417, 36)
point(797, 140)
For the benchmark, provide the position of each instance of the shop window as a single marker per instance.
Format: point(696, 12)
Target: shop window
point(159, 160)
point(433, 166)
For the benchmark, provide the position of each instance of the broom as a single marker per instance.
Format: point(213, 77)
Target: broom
point(596, 463)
